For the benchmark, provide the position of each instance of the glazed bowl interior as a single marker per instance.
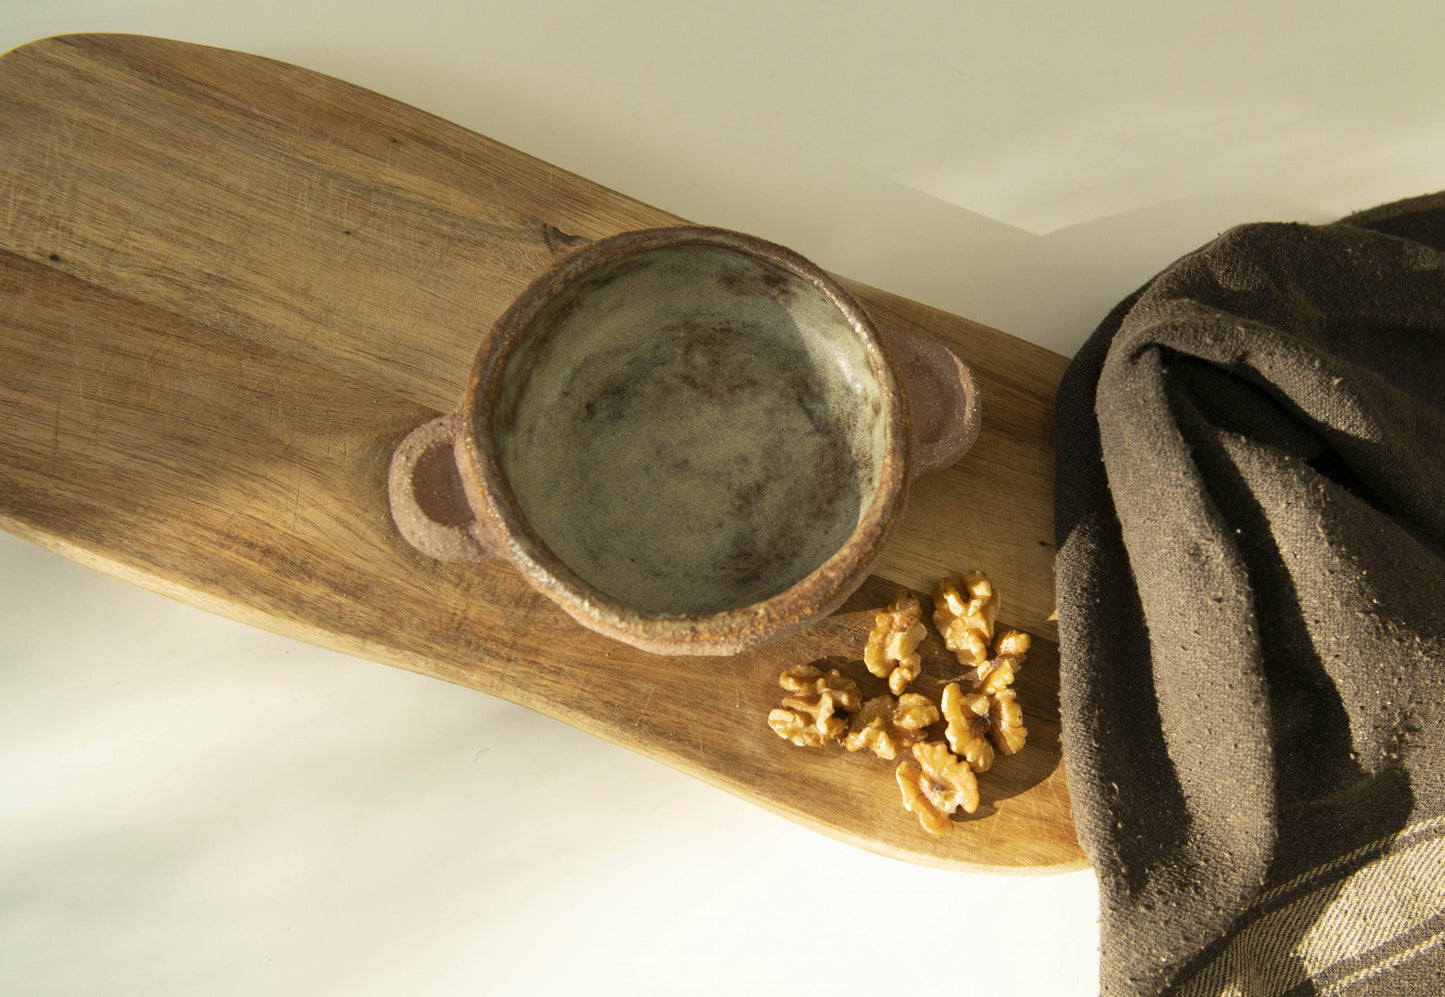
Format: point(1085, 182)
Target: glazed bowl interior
point(690, 429)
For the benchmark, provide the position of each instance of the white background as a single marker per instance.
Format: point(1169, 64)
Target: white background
point(189, 806)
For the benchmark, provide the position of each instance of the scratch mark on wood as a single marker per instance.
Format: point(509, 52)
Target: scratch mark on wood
point(992, 824)
point(583, 686)
point(296, 504)
point(737, 683)
point(646, 707)
point(55, 438)
point(14, 196)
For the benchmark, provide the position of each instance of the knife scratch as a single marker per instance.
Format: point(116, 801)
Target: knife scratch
point(646, 706)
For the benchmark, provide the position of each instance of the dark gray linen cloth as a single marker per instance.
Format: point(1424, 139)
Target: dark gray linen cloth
point(1250, 516)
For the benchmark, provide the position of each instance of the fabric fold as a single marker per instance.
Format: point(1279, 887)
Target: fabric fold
point(1250, 517)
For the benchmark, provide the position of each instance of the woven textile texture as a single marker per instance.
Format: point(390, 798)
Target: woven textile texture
point(1250, 514)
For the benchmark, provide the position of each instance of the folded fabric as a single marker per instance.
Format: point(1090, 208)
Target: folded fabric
point(1250, 516)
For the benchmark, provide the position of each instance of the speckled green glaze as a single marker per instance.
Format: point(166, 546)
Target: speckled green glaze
point(690, 429)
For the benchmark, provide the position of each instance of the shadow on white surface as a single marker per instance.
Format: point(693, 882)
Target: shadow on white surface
point(189, 805)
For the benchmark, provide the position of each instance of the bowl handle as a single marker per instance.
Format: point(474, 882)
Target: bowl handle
point(942, 397)
point(428, 501)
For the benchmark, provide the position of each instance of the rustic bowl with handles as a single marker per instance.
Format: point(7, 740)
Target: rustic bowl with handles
point(692, 440)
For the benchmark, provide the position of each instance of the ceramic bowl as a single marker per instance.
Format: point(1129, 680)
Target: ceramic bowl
point(692, 440)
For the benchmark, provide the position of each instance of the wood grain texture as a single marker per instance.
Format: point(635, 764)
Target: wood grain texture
point(229, 287)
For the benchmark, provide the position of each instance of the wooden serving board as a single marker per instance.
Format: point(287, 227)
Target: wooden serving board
point(229, 287)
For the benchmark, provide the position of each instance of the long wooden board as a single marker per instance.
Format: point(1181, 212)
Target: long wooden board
point(229, 287)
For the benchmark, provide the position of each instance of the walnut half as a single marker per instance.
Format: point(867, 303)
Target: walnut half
point(936, 786)
point(891, 651)
point(810, 716)
point(1012, 644)
point(991, 714)
point(886, 725)
point(964, 612)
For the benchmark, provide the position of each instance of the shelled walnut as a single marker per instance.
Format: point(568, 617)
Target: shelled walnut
point(810, 716)
point(981, 708)
point(886, 725)
point(1009, 649)
point(936, 786)
point(990, 714)
point(1012, 644)
point(965, 616)
point(891, 651)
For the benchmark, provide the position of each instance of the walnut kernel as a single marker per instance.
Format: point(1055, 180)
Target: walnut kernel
point(1000, 676)
point(1012, 644)
point(936, 786)
point(891, 651)
point(1009, 649)
point(1009, 732)
point(976, 718)
point(810, 716)
point(886, 725)
point(965, 617)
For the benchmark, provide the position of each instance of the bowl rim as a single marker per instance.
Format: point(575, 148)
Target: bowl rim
point(725, 631)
